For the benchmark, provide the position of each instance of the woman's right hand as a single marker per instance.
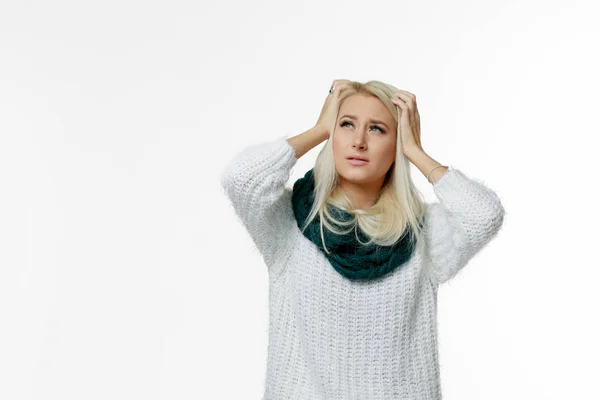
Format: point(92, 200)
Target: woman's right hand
point(330, 108)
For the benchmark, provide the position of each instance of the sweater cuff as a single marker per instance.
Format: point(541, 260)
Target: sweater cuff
point(453, 184)
point(264, 159)
point(467, 196)
point(288, 153)
point(274, 155)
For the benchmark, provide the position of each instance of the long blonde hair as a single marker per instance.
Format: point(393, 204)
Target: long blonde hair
point(399, 205)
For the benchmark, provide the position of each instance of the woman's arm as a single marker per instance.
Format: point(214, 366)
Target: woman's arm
point(426, 164)
point(468, 216)
point(305, 141)
point(254, 181)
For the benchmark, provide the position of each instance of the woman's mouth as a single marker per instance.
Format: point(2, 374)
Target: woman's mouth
point(357, 162)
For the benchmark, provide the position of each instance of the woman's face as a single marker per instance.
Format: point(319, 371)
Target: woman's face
point(364, 127)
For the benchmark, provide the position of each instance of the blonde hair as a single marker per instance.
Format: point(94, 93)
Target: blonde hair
point(399, 205)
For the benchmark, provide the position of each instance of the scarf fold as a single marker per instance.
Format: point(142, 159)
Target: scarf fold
point(349, 257)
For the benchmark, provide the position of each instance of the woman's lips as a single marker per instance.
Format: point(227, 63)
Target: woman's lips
point(356, 162)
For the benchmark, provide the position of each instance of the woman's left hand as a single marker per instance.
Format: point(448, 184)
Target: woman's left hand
point(410, 122)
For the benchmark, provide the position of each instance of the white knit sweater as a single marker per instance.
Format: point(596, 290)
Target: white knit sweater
point(331, 338)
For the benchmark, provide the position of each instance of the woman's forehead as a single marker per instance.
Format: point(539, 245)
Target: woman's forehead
point(362, 107)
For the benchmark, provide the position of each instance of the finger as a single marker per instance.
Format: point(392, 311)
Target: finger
point(407, 93)
point(406, 105)
point(400, 103)
point(408, 98)
point(413, 106)
point(341, 81)
point(337, 82)
point(340, 84)
point(404, 110)
point(403, 105)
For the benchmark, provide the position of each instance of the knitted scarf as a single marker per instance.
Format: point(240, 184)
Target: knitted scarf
point(349, 257)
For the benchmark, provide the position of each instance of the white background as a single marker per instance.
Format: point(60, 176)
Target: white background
point(124, 273)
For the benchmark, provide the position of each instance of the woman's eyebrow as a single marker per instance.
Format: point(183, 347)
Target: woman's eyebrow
point(371, 120)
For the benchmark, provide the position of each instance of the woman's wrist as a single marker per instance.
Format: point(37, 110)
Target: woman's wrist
point(322, 131)
point(430, 168)
point(306, 141)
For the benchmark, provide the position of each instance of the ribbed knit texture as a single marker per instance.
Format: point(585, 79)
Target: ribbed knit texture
point(331, 338)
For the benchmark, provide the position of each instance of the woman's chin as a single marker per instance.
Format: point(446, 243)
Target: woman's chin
point(357, 175)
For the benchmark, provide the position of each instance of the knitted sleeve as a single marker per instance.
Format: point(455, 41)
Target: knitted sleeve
point(254, 181)
point(466, 218)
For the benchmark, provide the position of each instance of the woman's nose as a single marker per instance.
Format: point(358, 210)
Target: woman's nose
point(359, 141)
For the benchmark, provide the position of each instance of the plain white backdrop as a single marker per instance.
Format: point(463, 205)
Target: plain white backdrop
point(124, 273)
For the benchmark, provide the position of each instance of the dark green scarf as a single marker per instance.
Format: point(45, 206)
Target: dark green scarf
point(350, 258)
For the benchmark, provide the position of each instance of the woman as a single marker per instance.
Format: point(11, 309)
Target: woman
point(354, 255)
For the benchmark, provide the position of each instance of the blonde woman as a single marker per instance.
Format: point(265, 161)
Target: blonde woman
point(354, 254)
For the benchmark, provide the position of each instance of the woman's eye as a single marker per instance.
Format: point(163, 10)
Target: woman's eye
point(344, 123)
